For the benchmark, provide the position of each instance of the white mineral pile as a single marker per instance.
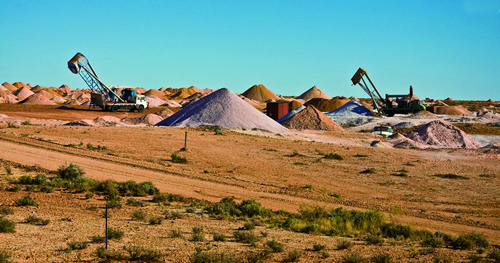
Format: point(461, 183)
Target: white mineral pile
point(351, 113)
point(222, 108)
point(154, 101)
point(439, 134)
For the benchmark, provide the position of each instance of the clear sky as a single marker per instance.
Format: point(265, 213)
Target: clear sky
point(442, 48)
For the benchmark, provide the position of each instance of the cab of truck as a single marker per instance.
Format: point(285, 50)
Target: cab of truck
point(383, 130)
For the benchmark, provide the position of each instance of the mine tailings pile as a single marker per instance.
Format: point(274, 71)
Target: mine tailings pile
point(222, 108)
point(436, 133)
point(311, 119)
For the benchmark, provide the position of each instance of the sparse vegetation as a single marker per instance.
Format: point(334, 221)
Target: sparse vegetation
point(451, 176)
point(245, 237)
point(176, 158)
point(4, 256)
point(198, 234)
point(26, 201)
point(77, 245)
point(138, 215)
point(292, 256)
point(219, 237)
point(26, 122)
point(34, 220)
point(353, 258)
point(381, 258)
point(333, 156)
point(7, 226)
point(174, 233)
point(494, 255)
point(156, 220)
point(70, 172)
point(360, 155)
point(368, 171)
point(201, 256)
point(344, 244)
point(318, 247)
point(5, 210)
point(294, 154)
point(470, 241)
point(374, 239)
point(136, 202)
point(275, 246)
point(248, 226)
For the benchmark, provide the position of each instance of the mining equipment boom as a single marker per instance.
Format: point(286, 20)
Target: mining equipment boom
point(392, 104)
point(102, 95)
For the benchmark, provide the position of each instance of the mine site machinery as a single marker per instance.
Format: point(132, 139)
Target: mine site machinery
point(392, 104)
point(102, 95)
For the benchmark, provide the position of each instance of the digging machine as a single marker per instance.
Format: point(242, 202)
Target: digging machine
point(102, 95)
point(392, 104)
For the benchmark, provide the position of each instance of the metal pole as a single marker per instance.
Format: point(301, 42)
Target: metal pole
point(185, 141)
point(106, 215)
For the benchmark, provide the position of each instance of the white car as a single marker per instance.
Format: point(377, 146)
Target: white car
point(382, 130)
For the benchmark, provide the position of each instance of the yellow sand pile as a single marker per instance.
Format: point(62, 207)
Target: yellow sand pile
point(260, 93)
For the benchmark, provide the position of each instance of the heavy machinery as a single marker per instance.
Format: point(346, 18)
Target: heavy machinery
point(102, 95)
point(392, 104)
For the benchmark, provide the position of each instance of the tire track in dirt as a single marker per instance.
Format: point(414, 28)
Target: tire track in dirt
point(102, 169)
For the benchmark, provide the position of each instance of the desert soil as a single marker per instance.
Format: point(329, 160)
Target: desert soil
point(244, 164)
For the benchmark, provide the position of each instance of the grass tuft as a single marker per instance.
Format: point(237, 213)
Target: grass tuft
point(275, 246)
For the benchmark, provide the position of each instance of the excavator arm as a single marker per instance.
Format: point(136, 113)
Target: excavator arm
point(79, 64)
point(358, 79)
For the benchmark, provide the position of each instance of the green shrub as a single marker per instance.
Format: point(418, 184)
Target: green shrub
point(374, 239)
point(198, 234)
point(249, 226)
point(139, 215)
point(245, 237)
point(344, 244)
point(275, 246)
point(190, 210)
point(257, 256)
point(333, 156)
point(26, 122)
point(34, 220)
point(8, 169)
point(178, 159)
point(115, 233)
point(201, 256)
point(252, 208)
point(89, 195)
point(7, 226)
point(46, 189)
point(470, 241)
point(219, 237)
point(26, 201)
point(97, 239)
point(5, 210)
point(318, 247)
point(155, 220)
point(70, 172)
point(173, 215)
point(77, 245)
point(4, 256)
point(15, 188)
point(114, 204)
point(292, 256)
point(441, 259)
point(381, 258)
point(177, 233)
point(135, 202)
point(495, 254)
point(360, 155)
point(433, 241)
point(395, 230)
point(143, 254)
point(37, 180)
point(353, 258)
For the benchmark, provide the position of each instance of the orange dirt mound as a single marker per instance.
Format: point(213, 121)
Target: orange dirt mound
point(313, 93)
point(311, 119)
point(452, 110)
point(156, 93)
point(326, 105)
point(260, 93)
point(20, 85)
point(294, 104)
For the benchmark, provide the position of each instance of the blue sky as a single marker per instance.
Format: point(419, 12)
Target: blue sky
point(441, 48)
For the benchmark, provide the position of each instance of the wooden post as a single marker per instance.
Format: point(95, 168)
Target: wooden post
point(106, 215)
point(185, 141)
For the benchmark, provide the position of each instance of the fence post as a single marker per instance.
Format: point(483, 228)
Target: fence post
point(106, 215)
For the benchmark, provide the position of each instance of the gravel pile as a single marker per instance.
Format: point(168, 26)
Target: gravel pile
point(222, 108)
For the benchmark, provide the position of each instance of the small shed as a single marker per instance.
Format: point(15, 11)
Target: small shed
point(277, 109)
